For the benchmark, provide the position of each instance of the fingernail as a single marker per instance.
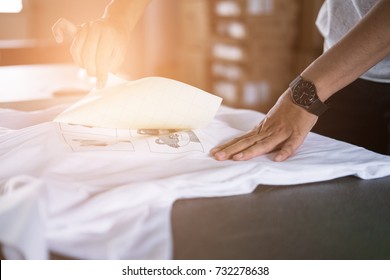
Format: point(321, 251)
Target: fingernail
point(278, 158)
point(220, 155)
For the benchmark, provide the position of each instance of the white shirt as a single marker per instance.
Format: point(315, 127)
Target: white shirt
point(107, 194)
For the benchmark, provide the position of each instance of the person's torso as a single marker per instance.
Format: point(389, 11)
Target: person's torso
point(337, 17)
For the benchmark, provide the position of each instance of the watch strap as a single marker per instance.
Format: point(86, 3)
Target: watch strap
point(317, 107)
point(295, 82)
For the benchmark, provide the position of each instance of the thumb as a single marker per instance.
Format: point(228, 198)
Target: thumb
point(64, 28)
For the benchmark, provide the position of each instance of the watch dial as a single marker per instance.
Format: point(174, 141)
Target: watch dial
point(304, 93)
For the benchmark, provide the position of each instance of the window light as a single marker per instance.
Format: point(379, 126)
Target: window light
point(11, 6)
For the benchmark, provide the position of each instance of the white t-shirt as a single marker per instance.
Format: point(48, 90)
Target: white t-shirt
point(337, 17)
point(96, 193)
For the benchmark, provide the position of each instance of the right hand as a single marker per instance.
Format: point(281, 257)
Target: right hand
point(98, 46)
point(283, 130)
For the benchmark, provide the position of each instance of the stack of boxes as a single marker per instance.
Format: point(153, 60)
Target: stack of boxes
point(193, 47)
point(252, 50)
point(309, 40)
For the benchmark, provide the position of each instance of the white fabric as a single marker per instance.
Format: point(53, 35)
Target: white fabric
point(337, 17)
point(107, 194)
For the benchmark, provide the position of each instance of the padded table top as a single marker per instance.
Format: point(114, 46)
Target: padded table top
point(346, 218)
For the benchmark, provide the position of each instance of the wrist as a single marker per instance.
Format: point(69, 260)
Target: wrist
point(286, 107)
point(125, 12)
point(304, 94)
point(118, 24)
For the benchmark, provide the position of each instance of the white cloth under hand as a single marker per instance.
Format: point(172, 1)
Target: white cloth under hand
point(107, 194)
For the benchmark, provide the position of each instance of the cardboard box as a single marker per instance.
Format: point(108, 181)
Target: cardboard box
point(256, 94)
point(244, 8)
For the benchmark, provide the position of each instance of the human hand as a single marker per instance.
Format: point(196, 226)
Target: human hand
point(98, 46)
point(283, 129)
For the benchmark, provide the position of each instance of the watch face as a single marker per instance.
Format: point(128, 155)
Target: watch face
point(304, 93)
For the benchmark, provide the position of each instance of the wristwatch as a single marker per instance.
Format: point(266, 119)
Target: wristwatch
point(304, 94)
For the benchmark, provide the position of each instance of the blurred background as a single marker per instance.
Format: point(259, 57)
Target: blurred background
point(246, 51)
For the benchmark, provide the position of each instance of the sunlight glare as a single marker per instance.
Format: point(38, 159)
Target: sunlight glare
point(11, 6)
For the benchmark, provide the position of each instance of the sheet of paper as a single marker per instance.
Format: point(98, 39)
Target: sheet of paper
point(148, 103)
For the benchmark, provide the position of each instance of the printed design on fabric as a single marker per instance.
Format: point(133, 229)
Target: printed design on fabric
point(89, 138)
point(169, 141)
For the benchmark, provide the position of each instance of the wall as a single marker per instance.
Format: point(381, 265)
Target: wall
point(15, 26)
point(174, 38)
point(38, 16)
point(152, 45)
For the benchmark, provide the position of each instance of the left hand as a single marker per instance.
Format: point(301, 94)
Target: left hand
point(98, 46)
point(283, 129)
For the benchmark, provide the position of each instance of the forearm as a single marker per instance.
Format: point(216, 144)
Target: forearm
point(363, 47)
point(126, 11)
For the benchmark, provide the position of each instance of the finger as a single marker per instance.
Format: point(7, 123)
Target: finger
point(233, 141)
point(257, 130)
point(223, 146)
point(90, 47)
point(103, 60)
point(63, 28)
point(227, 144)
point(77, 46)
point(102, 66)
point(118, 56)
point(288, 148)
point(236, 147)
point(261, 147)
